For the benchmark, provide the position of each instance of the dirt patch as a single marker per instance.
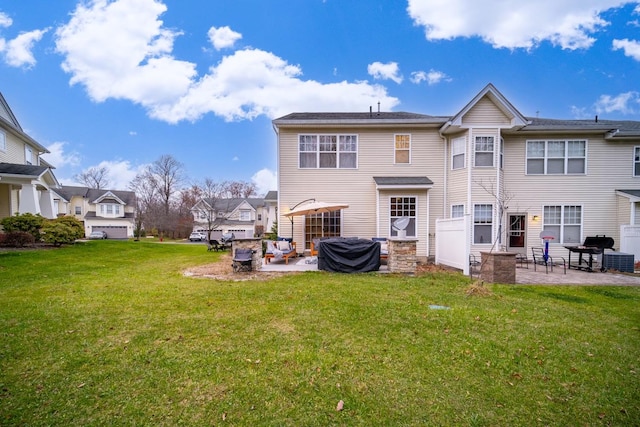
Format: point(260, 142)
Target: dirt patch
point(223, 270)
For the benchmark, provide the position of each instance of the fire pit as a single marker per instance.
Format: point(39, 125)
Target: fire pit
point(594, 245)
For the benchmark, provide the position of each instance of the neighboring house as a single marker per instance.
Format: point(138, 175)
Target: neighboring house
point(270, 210)
point(26, 181)
point(111, 211)
point(244, 217)
point(509, 176)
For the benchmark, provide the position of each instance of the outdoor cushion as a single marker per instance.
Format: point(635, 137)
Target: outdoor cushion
point(284, 246)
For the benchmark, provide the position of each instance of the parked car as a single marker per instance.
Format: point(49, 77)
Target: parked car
point(98, 235)
point(197, 236)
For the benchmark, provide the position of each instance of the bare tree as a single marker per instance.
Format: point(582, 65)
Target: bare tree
point(240, 189)
point(168, 175)
point(94, 177)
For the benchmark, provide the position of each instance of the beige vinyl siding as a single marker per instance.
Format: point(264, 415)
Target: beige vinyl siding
point(623, 211)
point(485, 113)
point(356, 187)
point(609, 167)
point(15, 150)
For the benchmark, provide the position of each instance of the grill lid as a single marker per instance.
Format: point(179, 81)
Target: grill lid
point(602, 242)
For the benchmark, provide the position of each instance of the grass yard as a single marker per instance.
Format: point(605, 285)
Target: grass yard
point(112, 333)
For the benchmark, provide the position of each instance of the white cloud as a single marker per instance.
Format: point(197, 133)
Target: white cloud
point(631, 48)
point(119, 49)
point(223, 37)
point(252, 82)
point(18, 52)
point(120, 173)
point(59, 158)
point(386, 71)
point(432, 77)
point(5, 20)
point(569, 24)
point(625, 103)
point(265, 180)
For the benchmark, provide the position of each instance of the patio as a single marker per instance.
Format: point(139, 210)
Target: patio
point(524, 276)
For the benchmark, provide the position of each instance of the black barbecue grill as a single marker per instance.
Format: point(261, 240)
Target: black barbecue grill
point(592, 246)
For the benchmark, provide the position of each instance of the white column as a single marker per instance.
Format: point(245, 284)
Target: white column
point(29, 200)
point(46, 204)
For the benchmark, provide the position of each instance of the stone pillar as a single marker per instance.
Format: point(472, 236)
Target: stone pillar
point(498, 267)
point(255, 244)
point(402, 255)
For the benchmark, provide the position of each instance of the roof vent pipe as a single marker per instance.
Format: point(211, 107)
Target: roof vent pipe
point(378, 107)
point(370, 111)
point(596, 118)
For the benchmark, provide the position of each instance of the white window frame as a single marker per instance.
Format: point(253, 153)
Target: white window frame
point(402, 138)
point(314, 146)
point(458, 150)
point(78, 210)
point(482, 221)
point(547, 156)
point(245, 215)
point(481, 146)
point(636, 161)
point(457, 211)
point(409, 208)
point(3, 141)
point(566, 220)
point(28, 155)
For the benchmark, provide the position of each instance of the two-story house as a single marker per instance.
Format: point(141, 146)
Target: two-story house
point(111, 211)
point(244, 217)
point(26, 181)
point(509, 175)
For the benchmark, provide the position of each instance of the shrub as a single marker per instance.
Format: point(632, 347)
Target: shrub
point(17, 239)
point(58, 233)
point(27, 222)
point(73, 223)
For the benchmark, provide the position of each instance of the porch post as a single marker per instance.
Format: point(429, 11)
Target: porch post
point(29, 200)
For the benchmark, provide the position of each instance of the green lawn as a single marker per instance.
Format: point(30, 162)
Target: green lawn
point(111, 333)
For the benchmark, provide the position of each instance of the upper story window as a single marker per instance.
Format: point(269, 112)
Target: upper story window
point(78, 210)
point(109, 209)
point(636, 161)
point(556, 157)
point(457, 211)
point(28, 155)
point(328, 151)
point(458, 153)
point(484, 151)
point(403, 148)
point(501, 165)
point(3, 141)
point(245, 215)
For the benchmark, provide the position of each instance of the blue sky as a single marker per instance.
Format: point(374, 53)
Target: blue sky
point(120, 83)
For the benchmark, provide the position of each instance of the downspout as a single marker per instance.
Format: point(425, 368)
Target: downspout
point(499, 190)
point(445, 186)
point(278, 210)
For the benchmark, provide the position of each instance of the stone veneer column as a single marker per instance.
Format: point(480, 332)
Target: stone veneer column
point(402, 255)
point(255, 244)
point(498, 267)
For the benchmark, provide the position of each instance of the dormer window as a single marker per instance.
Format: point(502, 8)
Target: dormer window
point(109, 209)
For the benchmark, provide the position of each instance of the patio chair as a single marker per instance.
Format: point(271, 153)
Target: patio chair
point(384, 248)
point(242, 260)
point(474, 264)
point(549, 263)
point(281, 249)
point(215, 245)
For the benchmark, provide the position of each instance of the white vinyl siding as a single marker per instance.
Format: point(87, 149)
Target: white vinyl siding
point(458, 149)
point(328, 151)
point(484, 148)
point(402, 148)
point(565, 221)
point(556, 157)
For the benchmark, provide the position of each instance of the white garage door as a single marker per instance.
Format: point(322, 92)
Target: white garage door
point(113, 231)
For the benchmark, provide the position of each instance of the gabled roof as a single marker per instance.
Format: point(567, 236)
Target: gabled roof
point(41, 173)
point(230, 204)
point(108, 197)
point(7, 114)
point(95, 195)
point(612, 129)
point(502, 103)
point(631, 194)
point(271, 196)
